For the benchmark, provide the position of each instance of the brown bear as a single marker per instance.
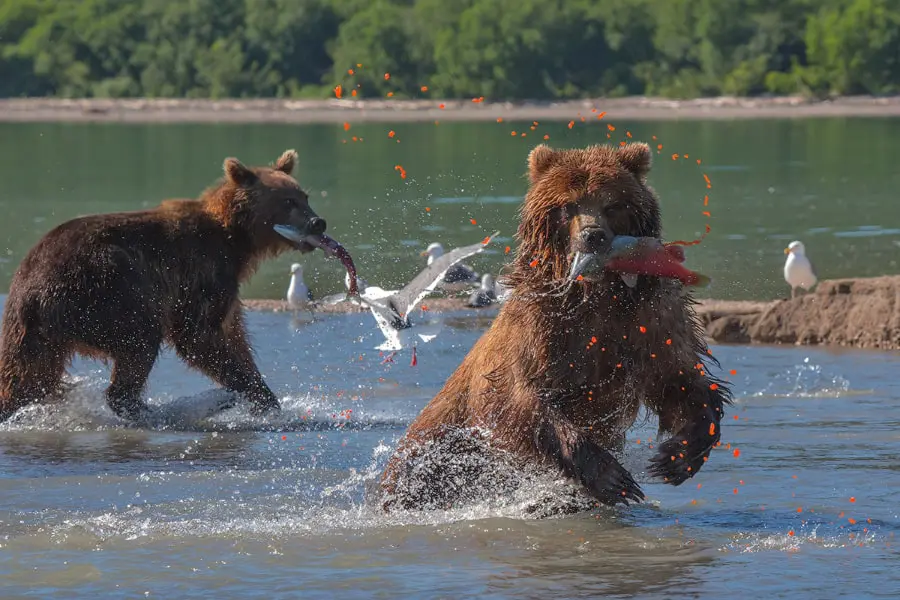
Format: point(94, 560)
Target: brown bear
point(560, 375)
point(116, 286)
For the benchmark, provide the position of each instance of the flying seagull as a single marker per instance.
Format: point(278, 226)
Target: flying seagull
point(391, 309)
point(457, 277)
point(798, 270)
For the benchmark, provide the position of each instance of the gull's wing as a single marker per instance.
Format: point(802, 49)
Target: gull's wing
point(391, 335)
point(812, 268)
point(428, 279)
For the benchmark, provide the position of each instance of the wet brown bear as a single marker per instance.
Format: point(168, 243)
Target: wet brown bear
point(560, 375)
point(116, 286)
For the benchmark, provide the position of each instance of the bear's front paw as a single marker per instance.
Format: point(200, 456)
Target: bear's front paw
point(676, 460)
point(609, 482)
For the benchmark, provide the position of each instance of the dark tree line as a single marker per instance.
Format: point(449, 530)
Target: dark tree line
point(499, 49)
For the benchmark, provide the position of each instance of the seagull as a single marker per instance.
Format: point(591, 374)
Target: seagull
point(486, 294)
point(798, 270)
point(458, 276)
point(503, 292)
point(298, 295)
point(391, 309)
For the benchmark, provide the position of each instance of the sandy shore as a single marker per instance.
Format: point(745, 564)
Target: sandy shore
point(336, 111)
point(857, 313)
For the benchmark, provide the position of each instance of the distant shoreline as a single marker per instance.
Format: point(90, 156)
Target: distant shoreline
point(337, 111)
point(854, 313)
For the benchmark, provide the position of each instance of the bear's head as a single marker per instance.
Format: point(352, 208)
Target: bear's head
point(577, 201)
point(252, 201)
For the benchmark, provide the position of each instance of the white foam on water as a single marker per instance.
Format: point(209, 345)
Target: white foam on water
point(83, 408)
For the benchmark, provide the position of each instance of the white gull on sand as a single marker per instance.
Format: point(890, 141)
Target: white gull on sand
point(298, 294)
point(798, 269)
point(486, 294)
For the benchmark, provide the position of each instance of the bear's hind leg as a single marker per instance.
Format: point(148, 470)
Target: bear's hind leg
point(31, 367)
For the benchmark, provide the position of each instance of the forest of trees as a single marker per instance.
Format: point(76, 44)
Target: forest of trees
point(499, 49)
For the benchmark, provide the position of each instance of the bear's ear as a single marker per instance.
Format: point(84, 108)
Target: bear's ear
point(237, 173)
point(539, 160)
point(636, 158)
point(286, 162)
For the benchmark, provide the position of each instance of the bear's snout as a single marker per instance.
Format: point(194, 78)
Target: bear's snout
point(316, 226)
point(594, 240)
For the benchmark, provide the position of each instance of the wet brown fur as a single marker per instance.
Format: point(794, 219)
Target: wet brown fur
point(116, 286)
point(537, 383)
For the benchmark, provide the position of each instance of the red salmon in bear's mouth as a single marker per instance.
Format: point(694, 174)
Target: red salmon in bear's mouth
point(632, 256)
point(331, 247)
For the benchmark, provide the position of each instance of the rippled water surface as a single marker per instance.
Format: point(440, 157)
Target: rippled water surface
point(801, 501)
point(198, 504)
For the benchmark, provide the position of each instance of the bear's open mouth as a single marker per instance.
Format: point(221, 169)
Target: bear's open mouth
point(632, 256)
point(331, 248)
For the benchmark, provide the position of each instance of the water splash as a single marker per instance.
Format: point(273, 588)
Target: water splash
point(83, 408)
point(807, 380)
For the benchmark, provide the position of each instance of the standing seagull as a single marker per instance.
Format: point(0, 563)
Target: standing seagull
point(458, 276)
point(391, 309)
point(798, 270)
point(298, 295)
point(486, 294)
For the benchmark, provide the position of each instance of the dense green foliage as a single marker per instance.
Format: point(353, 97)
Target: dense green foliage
point(499, 49)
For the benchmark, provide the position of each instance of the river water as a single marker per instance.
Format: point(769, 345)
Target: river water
point(197, 503)
point(192, 505)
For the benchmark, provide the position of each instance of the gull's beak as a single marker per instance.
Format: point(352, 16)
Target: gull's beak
point(423, 253)
point(787, 250)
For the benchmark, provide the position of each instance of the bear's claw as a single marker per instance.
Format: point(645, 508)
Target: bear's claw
point(676, 462)
point(610, 483)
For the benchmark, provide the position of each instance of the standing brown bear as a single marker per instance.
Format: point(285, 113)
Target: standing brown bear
point(560, 375)
point(116, 286)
